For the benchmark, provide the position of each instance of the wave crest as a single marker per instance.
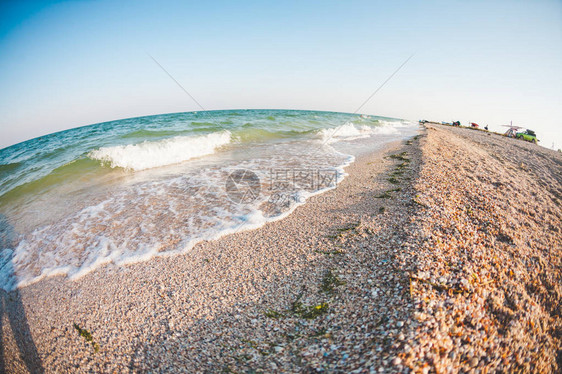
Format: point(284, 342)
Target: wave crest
point(170, 151)
point(350, 131)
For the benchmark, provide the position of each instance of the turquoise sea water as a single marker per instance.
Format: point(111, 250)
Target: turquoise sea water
point(128, 190)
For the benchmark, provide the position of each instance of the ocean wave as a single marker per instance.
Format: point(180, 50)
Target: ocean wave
point(59, 176)
point(148, 155)
point(351, 131)
point(7, 168)
point(247, 134)
point(143, 134)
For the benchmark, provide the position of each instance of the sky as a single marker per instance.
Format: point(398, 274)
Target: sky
point(65, 64)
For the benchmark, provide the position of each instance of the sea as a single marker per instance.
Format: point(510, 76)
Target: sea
point(128, 190)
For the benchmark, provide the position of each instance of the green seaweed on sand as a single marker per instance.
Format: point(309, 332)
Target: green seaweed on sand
point(311, 311)
point(270, 313)
point(308, 311)
point(256, 346)
point(400, 156)
point(334, 252)
point(402, 165)
point(320, 333)
point(251, 343)
point(87, 336)
point(350, 227)
point(346, 229)
point(297, 304)
point(393, 180)
point(386, 194)
point(227, 369)
point(291, 336)
point(330, 282)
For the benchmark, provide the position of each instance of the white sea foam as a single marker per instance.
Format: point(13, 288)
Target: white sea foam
point(351, 131)
point(148, 155)
point(151, 219)
point(163, 215)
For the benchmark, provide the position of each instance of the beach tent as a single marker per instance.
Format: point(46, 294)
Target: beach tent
point(512, 131)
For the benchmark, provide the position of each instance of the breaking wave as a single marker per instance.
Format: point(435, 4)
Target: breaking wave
point(350, 131)
point(148, 155)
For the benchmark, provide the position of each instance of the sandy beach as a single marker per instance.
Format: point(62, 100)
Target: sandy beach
point(440, 254)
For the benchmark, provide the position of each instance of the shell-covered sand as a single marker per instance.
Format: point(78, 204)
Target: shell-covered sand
point(487, 267)
point(439, 255)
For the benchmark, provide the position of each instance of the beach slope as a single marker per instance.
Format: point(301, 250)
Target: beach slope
point(487, 266)
point(441, 254)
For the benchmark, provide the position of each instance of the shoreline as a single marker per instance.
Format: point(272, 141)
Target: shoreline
point(221, 277)
point(404, 266)
point(116, 215)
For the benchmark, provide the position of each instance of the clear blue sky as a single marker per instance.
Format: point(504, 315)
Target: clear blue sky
point(72, 63)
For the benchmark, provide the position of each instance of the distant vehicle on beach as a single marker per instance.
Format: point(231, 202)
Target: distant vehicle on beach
point(474, 125)
point(528, 135)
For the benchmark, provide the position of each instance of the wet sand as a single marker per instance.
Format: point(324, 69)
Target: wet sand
point(441, 254)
